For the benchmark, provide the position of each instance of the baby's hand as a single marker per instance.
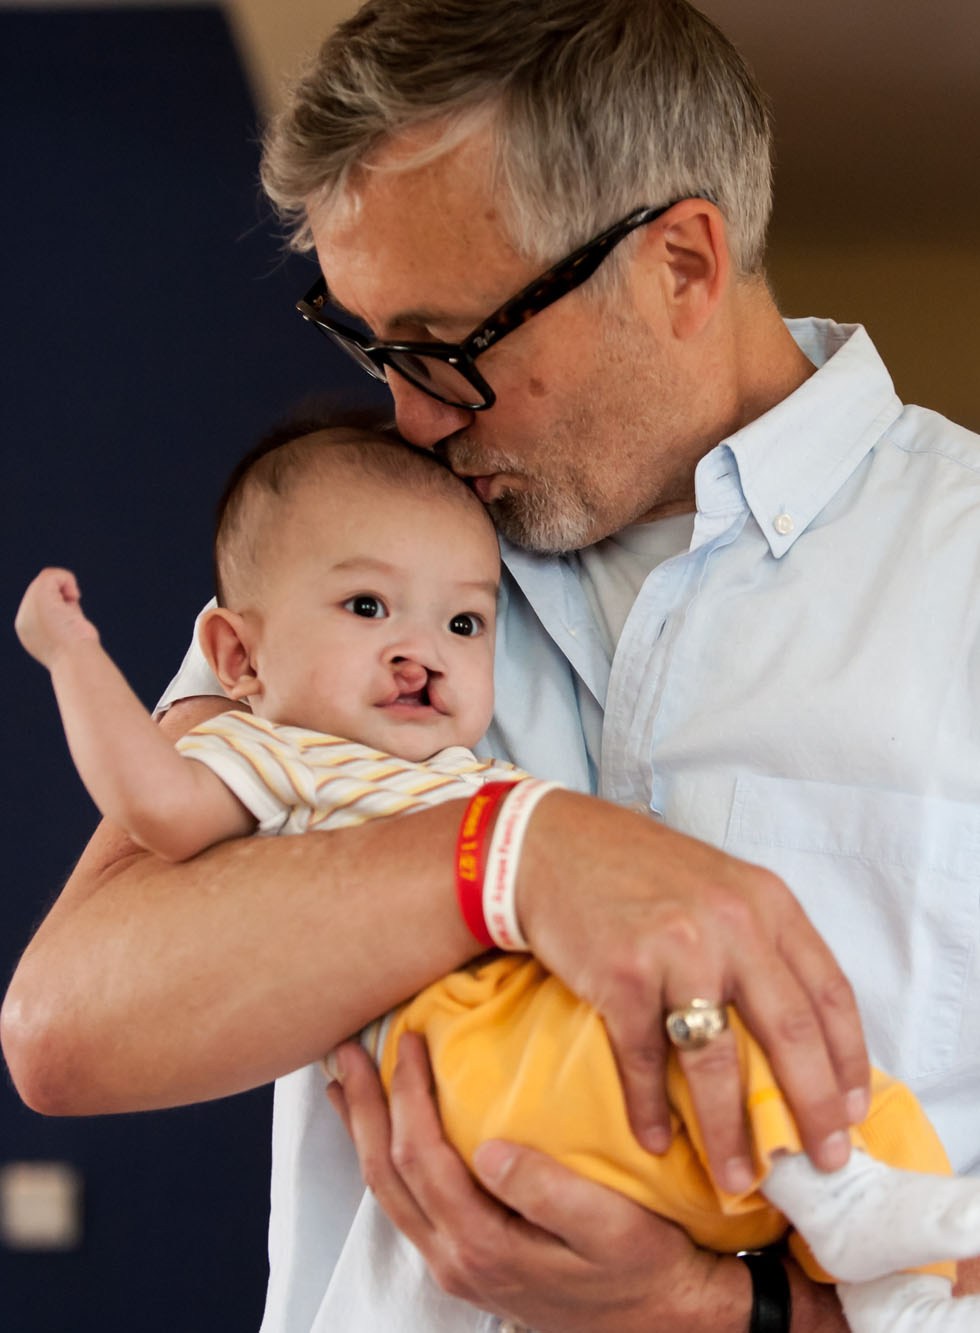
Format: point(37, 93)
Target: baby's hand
point(50, 616)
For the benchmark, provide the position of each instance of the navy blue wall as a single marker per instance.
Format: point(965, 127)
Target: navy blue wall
point(147, 339)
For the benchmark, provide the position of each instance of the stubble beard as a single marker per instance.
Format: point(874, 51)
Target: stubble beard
point(558, 514)
point(549, 516)
point(583, 497)
point(547, 520)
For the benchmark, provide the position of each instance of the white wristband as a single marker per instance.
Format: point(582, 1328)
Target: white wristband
point(500, 876)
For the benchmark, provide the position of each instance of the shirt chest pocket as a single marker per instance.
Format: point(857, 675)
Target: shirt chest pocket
point(891, 882)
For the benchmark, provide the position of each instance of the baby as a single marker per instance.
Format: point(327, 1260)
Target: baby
point(357, 583)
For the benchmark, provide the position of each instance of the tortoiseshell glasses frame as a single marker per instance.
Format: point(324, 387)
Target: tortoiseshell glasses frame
point(447, 371)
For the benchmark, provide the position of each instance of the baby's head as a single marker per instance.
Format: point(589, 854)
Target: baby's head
point(357, 582)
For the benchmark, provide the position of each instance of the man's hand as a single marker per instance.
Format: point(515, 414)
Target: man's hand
point(550, 1250)
point(968, 1278)
point(50, 615)
point(638, 920)
point(572, 1257)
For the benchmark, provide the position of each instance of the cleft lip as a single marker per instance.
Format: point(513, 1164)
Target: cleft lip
point(434, 696)
point(418, 697)
point(424, 698)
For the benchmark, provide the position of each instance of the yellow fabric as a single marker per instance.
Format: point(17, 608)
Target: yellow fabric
point(517, 1056)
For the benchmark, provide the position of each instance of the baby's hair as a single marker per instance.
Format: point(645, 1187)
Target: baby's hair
point(305, 446)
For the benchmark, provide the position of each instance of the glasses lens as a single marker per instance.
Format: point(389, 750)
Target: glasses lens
point(437, 377)
point(352, 350)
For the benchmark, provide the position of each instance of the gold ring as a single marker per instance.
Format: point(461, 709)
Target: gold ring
point(696, 1024)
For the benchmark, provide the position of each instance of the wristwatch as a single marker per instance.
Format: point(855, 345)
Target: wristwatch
point(772, 1306)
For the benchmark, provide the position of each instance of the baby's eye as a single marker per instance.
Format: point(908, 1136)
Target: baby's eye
point(365, 604)
point(466, 623)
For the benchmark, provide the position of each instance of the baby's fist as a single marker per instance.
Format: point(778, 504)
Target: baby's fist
point(50, 616)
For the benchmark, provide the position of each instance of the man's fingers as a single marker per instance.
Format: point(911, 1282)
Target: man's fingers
point(365, 1114)
point(715, 1084)
point(543, 1246)
point(540, 1190)
point(590, 1219)
point(336, 1098)
point(716, 1092)
point(802, 1010)
point(833, 999)
point(780, 1014)
point(477, 1247)
point(434, 1171)
point(714, 1079)
point(641, 1057)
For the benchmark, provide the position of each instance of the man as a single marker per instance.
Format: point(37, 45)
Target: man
point(764, 687)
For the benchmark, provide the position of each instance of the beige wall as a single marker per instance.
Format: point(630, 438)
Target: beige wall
point(274, 35)
point(877, 111)
point(919, 302)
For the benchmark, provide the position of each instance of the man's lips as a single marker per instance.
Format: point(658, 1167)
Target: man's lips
point(489, 487)
point(464, 461)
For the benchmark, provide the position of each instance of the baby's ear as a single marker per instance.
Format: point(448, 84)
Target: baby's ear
point(224, 639)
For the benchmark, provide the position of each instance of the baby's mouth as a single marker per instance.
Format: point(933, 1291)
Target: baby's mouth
point(415, 698)
point(410, 699)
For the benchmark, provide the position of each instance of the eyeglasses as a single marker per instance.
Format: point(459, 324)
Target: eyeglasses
point(447, 371)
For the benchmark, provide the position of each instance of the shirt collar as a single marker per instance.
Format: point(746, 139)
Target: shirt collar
point(785, 467)
point(551, 584)
point(794, 458)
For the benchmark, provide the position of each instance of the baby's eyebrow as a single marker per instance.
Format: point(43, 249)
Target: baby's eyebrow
point(367, 563)
point(487, 586)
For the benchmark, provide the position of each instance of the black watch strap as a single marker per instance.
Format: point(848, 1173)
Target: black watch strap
point(771, 1302)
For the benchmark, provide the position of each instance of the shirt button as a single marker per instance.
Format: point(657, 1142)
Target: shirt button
point(784, 525)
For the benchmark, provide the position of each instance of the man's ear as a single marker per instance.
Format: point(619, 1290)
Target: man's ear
point(224, 638)
point(690, 257)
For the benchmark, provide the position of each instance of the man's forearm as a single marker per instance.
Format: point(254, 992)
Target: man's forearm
point(152, 985)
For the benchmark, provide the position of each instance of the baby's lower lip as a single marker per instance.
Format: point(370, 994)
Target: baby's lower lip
point(419, 714)
point(409, 706)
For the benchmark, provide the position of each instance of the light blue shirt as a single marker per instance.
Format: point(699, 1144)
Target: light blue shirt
point(799, 688)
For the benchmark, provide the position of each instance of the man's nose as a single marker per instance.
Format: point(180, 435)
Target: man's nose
point(422, 420)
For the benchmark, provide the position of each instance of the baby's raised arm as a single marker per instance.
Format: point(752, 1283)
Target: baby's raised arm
point(172, 806)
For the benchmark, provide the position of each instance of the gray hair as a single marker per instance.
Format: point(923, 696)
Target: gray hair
point(594, 107)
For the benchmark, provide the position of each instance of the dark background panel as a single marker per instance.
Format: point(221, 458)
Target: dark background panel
point(148, 339)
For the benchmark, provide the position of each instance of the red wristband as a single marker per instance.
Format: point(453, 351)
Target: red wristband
point(471, 857)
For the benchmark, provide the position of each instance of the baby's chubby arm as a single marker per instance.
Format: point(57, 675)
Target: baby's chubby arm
point(169, 805)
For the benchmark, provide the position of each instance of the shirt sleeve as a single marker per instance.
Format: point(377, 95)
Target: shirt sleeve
point(256, 761)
